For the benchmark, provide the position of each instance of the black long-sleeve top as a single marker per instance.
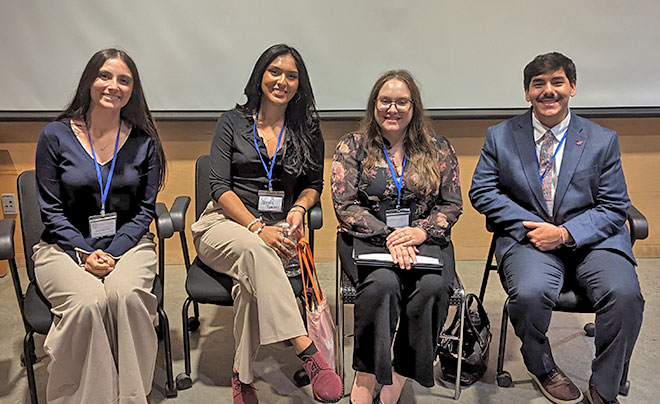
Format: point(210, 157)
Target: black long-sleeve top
point(236, 166)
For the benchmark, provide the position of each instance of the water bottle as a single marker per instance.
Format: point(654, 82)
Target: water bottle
point(291, 265)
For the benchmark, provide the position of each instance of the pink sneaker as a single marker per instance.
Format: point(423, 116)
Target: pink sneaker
point(326, 385)
point(243, 393)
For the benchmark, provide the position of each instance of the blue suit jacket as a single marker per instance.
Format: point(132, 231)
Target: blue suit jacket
point(591, 199)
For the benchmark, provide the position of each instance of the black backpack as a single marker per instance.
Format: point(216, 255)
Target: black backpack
point(476, 344)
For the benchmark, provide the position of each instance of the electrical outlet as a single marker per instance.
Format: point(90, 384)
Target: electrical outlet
point(9, 204)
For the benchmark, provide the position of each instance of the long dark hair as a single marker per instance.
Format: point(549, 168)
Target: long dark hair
point(301, 118)
point(136, 112)
point(421, 148)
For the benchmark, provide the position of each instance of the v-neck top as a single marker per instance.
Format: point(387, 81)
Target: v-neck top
point(236, 166)
point(81, 132)
point(69, 192)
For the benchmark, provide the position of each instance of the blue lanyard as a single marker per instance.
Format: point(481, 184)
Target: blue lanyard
point(269, 172)
point(553, 157)
point(398, 182)
point(104, 190)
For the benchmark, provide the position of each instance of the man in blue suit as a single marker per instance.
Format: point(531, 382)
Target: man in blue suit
point(551, 185)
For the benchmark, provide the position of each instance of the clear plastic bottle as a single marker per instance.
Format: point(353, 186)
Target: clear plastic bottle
point(291, 265)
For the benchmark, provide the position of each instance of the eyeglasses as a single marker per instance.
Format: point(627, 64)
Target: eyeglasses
point(401, 104)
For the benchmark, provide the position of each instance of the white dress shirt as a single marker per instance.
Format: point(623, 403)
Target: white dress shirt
point(559, 132)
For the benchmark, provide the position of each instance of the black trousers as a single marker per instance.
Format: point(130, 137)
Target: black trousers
point(415, 299)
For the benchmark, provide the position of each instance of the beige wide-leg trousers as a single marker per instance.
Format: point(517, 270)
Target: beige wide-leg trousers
point(102, 343)
point(265, 308)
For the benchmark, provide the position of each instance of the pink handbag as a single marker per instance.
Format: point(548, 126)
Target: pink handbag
point(320, 326)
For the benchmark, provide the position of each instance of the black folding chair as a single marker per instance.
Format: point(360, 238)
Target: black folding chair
point(35, 309)
point(346, 282)
point(572, 299)
point(203, 284)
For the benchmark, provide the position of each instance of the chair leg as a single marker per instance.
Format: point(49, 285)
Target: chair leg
point(29, 355)
point(164, 324)
point(300, 376)
point(590, 329)
point(503, 377)
point(339, 320)
point(459, 359)
point(196, 311)
point(340, 341)
point(624, 386)
point(183, 380)
point(488, 267)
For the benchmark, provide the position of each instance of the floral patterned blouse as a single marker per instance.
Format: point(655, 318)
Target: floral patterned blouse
point(360, 200)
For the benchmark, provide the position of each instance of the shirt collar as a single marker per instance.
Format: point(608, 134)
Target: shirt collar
point(558, 130)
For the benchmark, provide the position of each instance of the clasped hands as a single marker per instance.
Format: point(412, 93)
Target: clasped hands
point(546, 236)
point(402, 244)
point(99, 263)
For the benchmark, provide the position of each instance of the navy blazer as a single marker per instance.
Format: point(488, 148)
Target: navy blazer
point(591, 199)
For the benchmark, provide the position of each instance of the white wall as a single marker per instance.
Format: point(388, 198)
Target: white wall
point(197, 55)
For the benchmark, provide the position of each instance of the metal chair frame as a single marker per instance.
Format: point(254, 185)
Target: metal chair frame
point(35, 308)
point(570, 300)
point(346, 294)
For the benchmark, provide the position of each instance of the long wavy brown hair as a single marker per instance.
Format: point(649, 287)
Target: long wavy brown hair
point(420, 146)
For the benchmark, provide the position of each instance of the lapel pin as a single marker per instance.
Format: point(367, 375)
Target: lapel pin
point(579, 142)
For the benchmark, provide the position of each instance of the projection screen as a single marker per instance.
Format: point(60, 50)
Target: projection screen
point(197, 55)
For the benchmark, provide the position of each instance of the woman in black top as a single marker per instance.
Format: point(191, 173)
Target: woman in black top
point(266, 169)
point(396, 185)
point(99, 168)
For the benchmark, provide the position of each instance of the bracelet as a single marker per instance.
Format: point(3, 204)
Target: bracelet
point(260, 228)
point(253, 222)
point(297, 205)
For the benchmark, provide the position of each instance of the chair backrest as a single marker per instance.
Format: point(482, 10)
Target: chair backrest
point(202, 185)
point(344, 251)
point(30, 213)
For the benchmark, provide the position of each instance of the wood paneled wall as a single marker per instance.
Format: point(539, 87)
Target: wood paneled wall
point(185, 141)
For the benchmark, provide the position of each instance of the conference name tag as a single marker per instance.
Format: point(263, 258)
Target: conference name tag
point(396, 218)
point(103, 225)
point(271, 201)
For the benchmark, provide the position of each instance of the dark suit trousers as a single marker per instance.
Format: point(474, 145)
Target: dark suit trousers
point(534, 280)
point(418, 300)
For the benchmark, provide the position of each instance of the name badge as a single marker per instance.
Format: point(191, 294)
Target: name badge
point(271, 201)
point(103, 225)
point(397, 217)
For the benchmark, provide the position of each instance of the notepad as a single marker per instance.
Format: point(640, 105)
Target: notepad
point(364, 253)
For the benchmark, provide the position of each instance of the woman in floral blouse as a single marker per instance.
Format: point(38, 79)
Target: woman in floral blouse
point(396, 185)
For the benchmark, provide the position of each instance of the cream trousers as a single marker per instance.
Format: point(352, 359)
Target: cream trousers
point(102, 343)
point(265, 308)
